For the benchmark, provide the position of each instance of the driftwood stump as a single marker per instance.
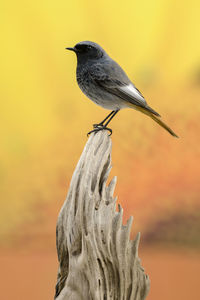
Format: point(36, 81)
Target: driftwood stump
point(97, 261)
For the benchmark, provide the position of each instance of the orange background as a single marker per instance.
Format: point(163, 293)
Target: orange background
point(45, 117)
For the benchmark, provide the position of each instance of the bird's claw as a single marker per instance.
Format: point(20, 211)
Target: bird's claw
point(98, 127)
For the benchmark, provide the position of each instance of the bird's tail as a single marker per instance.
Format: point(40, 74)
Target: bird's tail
point(151, 114)
point(162, 124)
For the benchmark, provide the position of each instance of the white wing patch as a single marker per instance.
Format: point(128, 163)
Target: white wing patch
point(133, 92)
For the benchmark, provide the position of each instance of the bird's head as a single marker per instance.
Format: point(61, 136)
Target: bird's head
point(87, 50)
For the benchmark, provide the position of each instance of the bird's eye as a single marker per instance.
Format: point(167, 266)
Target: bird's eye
point(78, 47)
point(89, 47)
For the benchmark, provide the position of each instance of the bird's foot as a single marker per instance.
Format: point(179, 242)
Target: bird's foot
point(98, 127)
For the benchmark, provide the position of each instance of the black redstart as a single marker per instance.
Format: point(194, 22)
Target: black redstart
point(103, 81)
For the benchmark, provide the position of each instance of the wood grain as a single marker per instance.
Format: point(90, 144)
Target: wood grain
point(97, 259)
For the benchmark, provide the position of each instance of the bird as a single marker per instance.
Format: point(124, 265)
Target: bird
point(103, 81)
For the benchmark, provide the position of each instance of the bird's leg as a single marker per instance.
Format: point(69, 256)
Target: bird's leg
point(101, 123)
point(102, 126)
point(112, 116)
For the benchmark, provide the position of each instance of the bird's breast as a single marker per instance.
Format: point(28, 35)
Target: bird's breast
point(86, 84)
point(83, 80)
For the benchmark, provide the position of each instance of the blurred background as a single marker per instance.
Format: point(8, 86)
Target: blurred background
point(45, 117)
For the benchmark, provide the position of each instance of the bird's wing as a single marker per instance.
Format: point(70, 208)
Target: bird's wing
point(110, 76)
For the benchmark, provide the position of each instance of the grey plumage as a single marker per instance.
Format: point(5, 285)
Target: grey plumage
point(103, 81)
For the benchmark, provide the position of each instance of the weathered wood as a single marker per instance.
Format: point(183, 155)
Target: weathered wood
point(97, 261)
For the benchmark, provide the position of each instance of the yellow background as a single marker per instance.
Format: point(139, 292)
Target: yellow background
point(45, 117)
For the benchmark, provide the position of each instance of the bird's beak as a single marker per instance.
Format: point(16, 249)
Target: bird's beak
point(71, 49)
